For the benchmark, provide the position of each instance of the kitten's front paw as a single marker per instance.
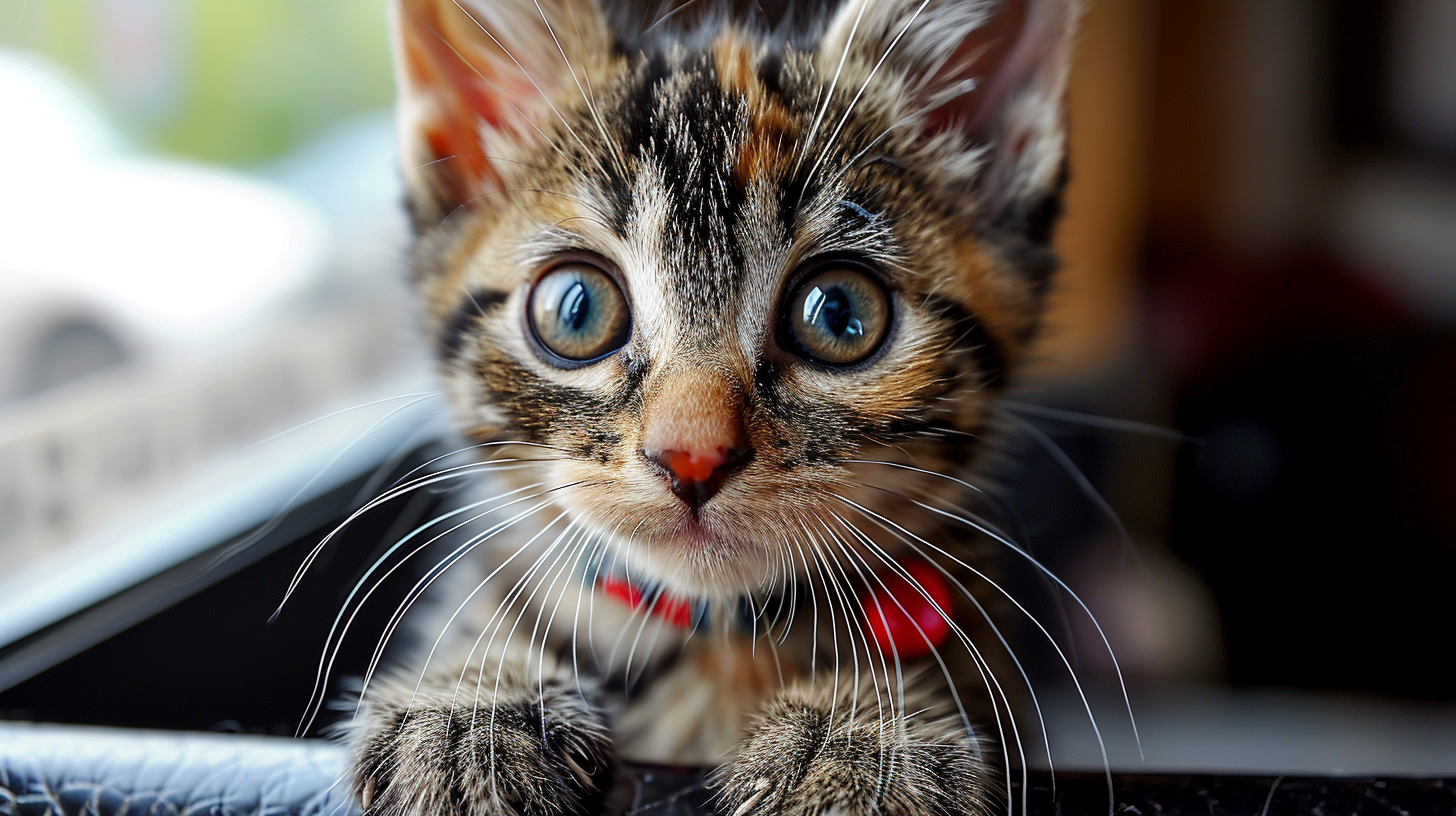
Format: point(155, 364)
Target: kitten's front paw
point(800, 761)
point(534, 751)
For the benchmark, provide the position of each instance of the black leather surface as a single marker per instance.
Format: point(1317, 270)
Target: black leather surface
point(78, 771)
point(51, 770)
point(69, 771)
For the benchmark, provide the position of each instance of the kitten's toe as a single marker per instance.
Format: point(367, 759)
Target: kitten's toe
point(543, 752)
point(801, 760)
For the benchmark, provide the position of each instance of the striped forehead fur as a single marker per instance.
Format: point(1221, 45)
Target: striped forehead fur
point(705, 171)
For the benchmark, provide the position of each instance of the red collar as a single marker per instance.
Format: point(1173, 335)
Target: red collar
point(661, 604)
point(904, 620)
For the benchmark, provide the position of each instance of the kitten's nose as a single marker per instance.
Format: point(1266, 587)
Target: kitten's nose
point(698, 475)
point(694, 435)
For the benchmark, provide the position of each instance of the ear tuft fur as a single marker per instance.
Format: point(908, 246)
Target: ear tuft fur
point(477, 79)
point(985, 81)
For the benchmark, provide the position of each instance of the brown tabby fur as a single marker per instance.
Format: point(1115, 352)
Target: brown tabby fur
point(704, 160)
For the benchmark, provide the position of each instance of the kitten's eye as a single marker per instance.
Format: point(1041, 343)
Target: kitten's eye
point(838, 316)
point(579, 313)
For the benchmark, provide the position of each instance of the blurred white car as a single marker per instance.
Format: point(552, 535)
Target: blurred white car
point(108, 255)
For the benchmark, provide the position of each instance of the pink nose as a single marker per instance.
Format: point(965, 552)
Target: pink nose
point(694, 435)
point(698, 475)
point(693, 466)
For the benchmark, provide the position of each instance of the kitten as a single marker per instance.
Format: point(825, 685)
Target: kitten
point(728, 309)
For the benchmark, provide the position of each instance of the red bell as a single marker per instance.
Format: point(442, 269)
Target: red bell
point(899, 616)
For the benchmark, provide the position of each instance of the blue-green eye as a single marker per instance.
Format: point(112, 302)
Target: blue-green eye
point(579, 313)
point(838, 316)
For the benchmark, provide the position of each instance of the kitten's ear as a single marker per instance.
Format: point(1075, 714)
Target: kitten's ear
point(985, 78)
point(476, 79)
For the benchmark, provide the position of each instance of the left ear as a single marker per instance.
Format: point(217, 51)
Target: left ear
point(986, 81)
point(476, 83)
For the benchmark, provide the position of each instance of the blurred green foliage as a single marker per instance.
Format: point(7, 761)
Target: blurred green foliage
point(233, 81)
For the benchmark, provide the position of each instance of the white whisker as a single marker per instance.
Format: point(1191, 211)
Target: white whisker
point(446, 475)
point(995, 534)
point(1095, 421)
point(424, 583)
point(545, 97)
point(282, 513)
point(909, 538)
point(466, 601)
point(479, 446)
point(897, 693)
point(982, 665)
point(829, 143)
point(1083, 483)
point(833, 83)
point(326, 660)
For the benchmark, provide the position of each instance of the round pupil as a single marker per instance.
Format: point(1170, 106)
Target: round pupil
point(575, 306)
point(835, 309)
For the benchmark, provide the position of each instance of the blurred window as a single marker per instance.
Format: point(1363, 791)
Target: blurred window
point(201, 247)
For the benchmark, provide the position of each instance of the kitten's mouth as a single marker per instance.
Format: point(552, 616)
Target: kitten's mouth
point(698, 527)
point(703, 551)
point(722, 545)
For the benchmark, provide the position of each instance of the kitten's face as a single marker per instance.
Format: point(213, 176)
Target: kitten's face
point(711, 297)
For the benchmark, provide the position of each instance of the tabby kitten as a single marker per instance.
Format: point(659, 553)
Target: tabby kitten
point(734, 304)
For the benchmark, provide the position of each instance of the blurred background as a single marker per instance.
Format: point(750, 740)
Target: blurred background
point(1236, 445)
point(200, 238)
point(1261, 254)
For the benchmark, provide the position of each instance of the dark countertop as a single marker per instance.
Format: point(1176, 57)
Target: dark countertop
point(69, 770)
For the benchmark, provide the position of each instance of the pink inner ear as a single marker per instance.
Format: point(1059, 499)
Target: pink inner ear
point(986, 56)
point(463, 91)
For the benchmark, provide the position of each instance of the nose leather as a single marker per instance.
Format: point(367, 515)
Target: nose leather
point(696, 476)
point(693, 434)
point(692, 466)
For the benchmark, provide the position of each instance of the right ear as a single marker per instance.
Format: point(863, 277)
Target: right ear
point(476, 84)
point(984, 78)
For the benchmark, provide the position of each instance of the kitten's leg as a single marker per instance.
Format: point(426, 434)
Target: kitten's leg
point(533, 745)
point(818, 751)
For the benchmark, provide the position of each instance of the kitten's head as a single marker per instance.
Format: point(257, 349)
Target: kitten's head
point(722, 276)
